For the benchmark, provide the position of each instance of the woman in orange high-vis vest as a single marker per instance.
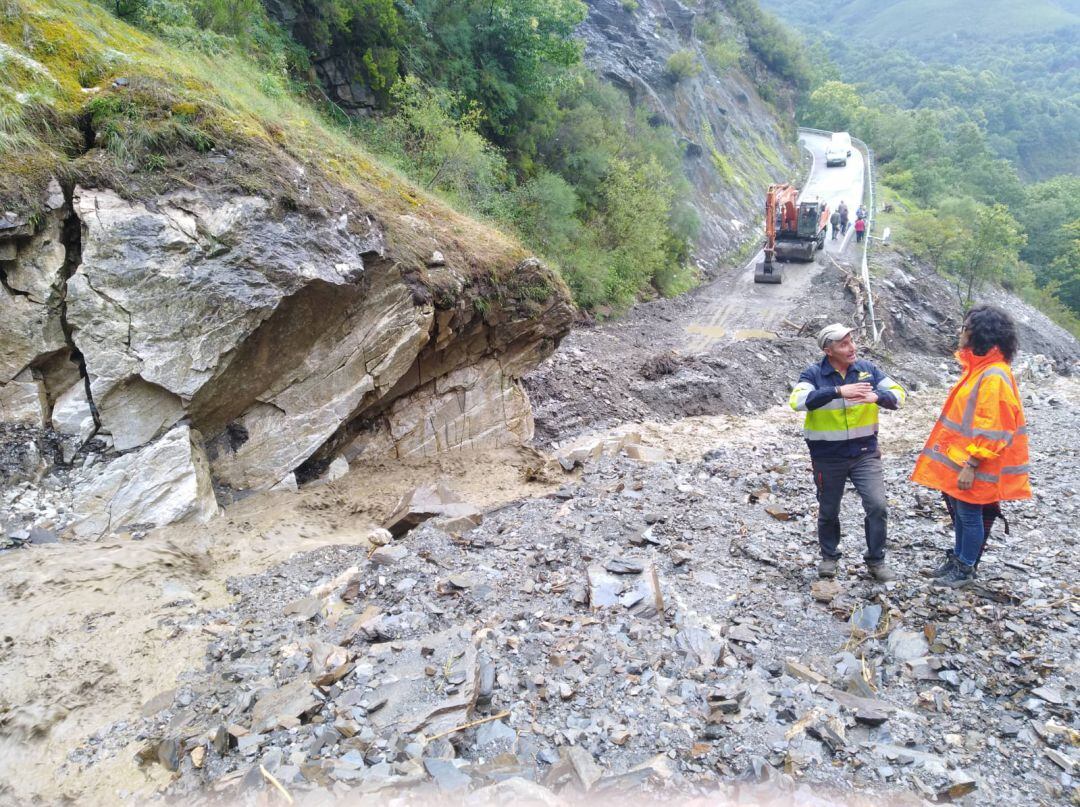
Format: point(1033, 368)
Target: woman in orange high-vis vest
point(977, 453)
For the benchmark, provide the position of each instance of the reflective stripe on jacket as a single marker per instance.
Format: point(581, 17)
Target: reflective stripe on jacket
point(982, 418)
point(833, 426)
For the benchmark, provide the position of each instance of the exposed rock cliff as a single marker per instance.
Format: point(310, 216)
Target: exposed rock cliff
point(734, 142)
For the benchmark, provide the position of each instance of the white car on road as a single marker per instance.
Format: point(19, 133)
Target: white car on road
point(839, 149)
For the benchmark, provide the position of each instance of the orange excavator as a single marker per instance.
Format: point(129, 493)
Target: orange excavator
point(794, 229)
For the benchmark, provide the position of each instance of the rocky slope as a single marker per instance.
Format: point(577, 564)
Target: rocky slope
point(734, 142)
point(163, 335)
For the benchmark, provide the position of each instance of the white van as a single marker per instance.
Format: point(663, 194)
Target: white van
point(839, 149)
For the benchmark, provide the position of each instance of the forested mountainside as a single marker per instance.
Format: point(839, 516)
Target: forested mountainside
point(968, 106)
point(1008, 68)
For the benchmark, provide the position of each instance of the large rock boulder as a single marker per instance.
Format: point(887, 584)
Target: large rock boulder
point(285, 337)
point(273, 332)
point(165, 482)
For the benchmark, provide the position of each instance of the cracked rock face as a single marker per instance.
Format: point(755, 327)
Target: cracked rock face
point(163, 296)
point(283, 338)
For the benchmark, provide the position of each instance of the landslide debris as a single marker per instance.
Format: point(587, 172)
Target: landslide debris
point(651, 628)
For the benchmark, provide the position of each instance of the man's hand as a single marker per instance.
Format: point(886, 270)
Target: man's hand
point(870, 397)
point(852, 391)
point(966, 477)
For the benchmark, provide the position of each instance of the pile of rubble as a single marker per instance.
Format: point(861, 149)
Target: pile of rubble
point(655, 628)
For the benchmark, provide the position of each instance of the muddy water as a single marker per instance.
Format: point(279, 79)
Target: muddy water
point(93, 631)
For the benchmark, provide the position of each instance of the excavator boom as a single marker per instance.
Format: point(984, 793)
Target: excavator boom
point(780, 214)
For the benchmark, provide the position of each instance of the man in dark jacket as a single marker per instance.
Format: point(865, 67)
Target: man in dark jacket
point(841, 396)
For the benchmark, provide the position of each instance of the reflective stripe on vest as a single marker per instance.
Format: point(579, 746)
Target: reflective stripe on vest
point(1009, 470)
point(797, 401)
point(838, 421)
point(888, 385)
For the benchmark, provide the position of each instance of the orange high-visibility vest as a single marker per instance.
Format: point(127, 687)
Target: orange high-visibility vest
point(982, 418)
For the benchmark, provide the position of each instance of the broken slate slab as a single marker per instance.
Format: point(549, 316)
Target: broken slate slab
point(1049, 694)
point(625, 566)
point(804, 673)
point(282, 705)
point(906, 645)
point(866, 618)
point(428, 502)
point(446, 775)
point(640, 593)
point(389, 555)
point(495, 733)
point(414, 701)
point(584, 766)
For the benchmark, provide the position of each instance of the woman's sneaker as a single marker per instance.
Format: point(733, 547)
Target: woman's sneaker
point(944, 568)
point(960, 576)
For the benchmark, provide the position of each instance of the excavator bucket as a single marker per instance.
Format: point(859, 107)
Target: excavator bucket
point(768, 272)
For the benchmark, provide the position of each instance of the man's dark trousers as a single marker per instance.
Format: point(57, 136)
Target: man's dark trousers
point(830, 477)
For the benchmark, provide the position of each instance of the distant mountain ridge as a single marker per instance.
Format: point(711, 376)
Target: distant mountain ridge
point(914, 22)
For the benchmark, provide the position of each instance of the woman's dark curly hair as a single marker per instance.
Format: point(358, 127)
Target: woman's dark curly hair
point(991, 327)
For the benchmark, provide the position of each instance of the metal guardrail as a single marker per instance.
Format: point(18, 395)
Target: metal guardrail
point(869, 187)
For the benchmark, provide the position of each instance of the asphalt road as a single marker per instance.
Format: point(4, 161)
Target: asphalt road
point(734, 307)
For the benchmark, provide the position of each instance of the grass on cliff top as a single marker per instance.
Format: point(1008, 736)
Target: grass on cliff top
point(59, 65)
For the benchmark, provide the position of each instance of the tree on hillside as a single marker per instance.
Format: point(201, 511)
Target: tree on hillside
point(1062, 277)
point(506, 55)
point(834, 106)
point(1048, 207)
point(986, 250)
point(932, 236)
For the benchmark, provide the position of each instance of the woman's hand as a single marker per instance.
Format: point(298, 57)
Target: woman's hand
point(966, 478)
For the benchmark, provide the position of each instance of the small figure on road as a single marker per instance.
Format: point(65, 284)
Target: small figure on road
point(860, 213)
point(860, 230)
point(834, 220)
point(843, 211)
point(977, 452)
point(841, 396)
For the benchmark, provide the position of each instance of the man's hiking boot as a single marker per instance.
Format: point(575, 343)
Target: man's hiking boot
point(881, 572)
point(944, 568)
point(959, 576)
point(827, 568)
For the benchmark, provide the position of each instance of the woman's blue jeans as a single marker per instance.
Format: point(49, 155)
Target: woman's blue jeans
point(968, 526)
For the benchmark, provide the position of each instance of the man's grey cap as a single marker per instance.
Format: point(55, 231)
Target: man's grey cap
point(832, 333)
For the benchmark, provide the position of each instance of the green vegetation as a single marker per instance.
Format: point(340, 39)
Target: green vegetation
point(772, 42)
point(683, 64)
point(962, 101)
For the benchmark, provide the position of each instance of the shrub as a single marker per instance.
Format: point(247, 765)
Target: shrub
point(683, 64)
